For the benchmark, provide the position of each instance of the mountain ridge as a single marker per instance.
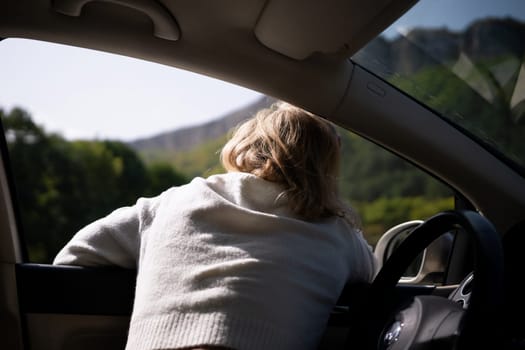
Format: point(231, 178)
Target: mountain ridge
point(186, 138)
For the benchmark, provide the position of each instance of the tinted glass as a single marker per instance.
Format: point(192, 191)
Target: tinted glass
point(465, 60)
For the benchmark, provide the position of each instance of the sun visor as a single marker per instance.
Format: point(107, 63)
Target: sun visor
point(299, 28)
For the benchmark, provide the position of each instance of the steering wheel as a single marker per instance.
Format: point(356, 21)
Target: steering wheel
point(432, 322)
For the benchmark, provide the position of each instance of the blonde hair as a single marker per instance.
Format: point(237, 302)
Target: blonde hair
point(291, 146)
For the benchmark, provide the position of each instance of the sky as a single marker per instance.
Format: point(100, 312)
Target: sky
point(73, 91)
point(83, 93)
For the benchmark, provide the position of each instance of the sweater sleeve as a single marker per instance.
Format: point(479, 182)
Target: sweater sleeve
point(112, 240)
point(365, 262)
point(372, 260)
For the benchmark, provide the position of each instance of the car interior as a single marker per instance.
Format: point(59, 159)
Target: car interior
point(309, 53)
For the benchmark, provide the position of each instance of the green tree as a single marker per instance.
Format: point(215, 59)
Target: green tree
point(161, 177)
point(62, 186)
point(369, 172)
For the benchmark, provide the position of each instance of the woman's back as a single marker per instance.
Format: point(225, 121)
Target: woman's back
point(251, 271)
point(251, 259)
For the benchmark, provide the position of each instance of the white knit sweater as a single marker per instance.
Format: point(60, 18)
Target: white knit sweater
point(222, 261)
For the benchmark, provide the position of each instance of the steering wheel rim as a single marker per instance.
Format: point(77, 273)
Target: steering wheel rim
point(487, 289)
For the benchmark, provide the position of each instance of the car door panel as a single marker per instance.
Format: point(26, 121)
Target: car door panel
point(67, 307)
point(75, 290)
point(79, 332)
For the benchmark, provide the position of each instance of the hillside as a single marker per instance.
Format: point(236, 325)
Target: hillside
point(187, 138)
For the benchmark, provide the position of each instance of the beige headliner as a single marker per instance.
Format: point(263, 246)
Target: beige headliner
point(218, 38)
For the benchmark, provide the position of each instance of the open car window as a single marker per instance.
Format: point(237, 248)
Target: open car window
point(90, 137)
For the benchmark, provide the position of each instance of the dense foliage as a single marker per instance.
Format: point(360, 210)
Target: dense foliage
point(385, 189)
point(202, 160)
point(62, 186)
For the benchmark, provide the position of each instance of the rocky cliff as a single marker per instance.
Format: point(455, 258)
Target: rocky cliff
point(420, 47)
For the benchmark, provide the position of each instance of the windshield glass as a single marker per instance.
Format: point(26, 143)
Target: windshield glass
point(465, 60)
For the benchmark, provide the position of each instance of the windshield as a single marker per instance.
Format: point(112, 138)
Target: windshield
point(465, 60)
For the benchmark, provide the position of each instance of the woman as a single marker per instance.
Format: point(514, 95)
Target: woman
point(251, 259)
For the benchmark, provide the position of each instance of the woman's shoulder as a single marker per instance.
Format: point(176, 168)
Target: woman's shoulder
point(233, 186)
